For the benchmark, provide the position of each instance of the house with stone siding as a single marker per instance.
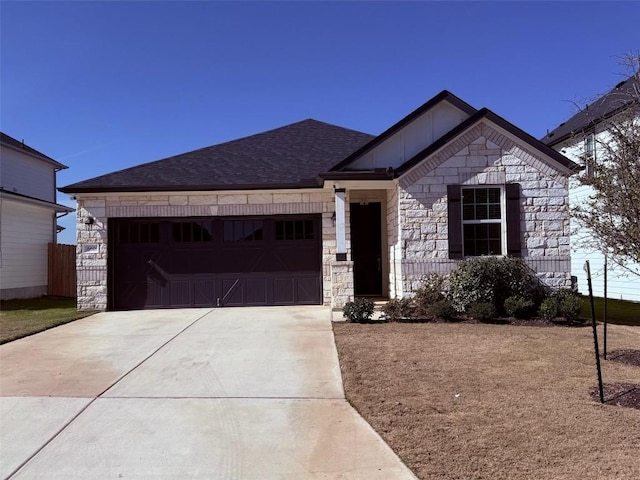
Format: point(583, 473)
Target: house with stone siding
point(313, 213)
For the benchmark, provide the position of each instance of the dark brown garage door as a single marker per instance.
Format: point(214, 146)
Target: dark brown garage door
point(208, 262)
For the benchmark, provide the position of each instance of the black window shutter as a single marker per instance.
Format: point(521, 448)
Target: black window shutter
point(454, 210)
point(514, 247)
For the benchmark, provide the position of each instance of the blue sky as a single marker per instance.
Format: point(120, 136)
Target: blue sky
point(101, 86)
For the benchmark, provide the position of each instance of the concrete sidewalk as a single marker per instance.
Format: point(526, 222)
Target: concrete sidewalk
point(250, 393)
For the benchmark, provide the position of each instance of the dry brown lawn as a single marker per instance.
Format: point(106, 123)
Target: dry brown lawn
point(478, 401)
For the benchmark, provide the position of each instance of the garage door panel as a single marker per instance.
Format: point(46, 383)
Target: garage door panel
point(184, 264)
point(283, 291)
point(257, 291)
point(204, 293)
point(239, 260)
point(295, 257)
point(189, 261)
point(154, 295)
point(233, 292)
point(180, 293)
point(306, 290)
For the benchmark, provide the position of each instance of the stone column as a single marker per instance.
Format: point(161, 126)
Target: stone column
point(341, 283)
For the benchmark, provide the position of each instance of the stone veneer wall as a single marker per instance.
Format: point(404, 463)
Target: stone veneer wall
point(483, 156)
point(91, 259)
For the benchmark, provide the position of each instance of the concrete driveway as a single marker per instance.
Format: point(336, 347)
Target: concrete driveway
point(251, 393)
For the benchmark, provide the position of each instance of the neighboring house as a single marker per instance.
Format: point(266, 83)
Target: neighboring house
point(28, 218)
point(578, 138)
point(312, 213)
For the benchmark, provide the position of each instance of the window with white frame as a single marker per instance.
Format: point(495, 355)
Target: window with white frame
point(589, 152)
point(483, 221)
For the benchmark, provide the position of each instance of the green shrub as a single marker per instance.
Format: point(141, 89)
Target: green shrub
point(398, 308)
point(360, 310)
point(519, 307)
point(482, 311)
point(442, 309)
point(431, 291)
point(493, 280)
point(549, 308)
point(570, 306)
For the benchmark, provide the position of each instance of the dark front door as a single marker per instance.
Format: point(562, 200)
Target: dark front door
point(366, 248)
point(208, 262)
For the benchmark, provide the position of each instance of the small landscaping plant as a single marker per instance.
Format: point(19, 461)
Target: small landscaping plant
point(519, 307)
point(491, 280)
point(431, 292)
point(358, 311)
point(482, 311)
point(570, 306)
point(549, 308)
point(442, 309)
point(398, 308)
point(563, 303)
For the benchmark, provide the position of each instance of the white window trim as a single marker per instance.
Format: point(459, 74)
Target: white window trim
point(502, 221)
point(589, 156)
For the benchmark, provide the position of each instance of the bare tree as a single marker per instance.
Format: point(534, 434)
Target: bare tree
point(611, 212)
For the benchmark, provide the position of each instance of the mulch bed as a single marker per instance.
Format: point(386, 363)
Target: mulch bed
point(530, 322)
point(621, 394)
point(630, 357)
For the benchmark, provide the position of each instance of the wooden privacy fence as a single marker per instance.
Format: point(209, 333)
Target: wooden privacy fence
point(62, 270)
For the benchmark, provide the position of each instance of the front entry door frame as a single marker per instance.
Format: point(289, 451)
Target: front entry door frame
point(367, 248)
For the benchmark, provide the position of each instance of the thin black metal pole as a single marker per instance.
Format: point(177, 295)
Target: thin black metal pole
point(595, 332)
point(604, 339)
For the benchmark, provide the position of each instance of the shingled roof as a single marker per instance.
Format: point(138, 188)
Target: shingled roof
point(618, 99)
point(287, 157)
point(18, 145)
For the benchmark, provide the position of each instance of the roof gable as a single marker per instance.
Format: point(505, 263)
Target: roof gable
point(554, 159)
point(421, 127)
point(24, 148)
point(618, 99)
point(287, 157)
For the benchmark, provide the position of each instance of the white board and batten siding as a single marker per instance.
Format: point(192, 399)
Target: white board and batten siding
point(621, 284)
point(25, 233)
point(412, 138)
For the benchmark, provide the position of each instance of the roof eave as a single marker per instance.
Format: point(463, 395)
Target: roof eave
point(8, 195)
point(543, 148)
point(71, 189)
point(377, 174)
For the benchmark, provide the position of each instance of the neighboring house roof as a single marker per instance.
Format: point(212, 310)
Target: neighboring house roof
point(9, 195)
point(287, 157)
point(21, 146)
point(618, 99)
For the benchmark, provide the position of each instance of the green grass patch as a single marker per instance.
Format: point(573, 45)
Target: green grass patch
point(22, 317)
point(620, 312)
